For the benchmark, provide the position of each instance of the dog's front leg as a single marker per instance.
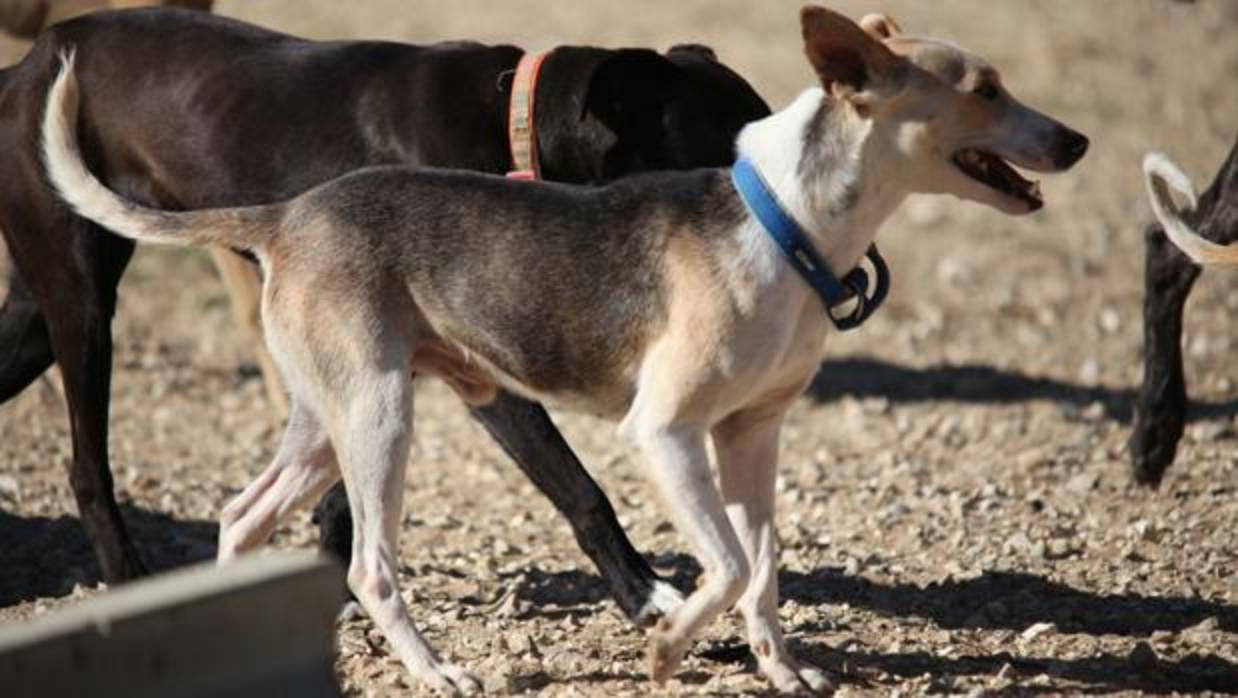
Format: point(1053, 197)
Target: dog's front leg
point(746, 444)
point(679, 466)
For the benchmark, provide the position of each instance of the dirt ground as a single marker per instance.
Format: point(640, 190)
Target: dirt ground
point(956, 513)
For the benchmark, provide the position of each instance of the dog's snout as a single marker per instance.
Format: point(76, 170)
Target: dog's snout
point(1071, 147)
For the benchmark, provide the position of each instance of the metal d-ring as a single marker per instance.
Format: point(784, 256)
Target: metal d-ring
point(857, 282)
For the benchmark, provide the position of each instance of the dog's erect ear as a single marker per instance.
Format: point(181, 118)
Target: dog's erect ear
point(848, 59)
point(630, 86)
point(880, 27)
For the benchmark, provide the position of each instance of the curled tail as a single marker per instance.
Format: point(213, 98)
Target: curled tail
point(1160, 173)
point(244, 228)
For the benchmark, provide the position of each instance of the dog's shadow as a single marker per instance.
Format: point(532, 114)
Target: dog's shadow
point(977, 383)
point(45, 557)
point(995, 600)
point(1009, 601)
point(1097, 673)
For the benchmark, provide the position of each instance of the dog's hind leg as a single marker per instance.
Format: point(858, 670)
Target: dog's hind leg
point(525, 432)
point(82, 290)
point(303, 468)
point(372, 434)
point(746, 444)
point(350, 360)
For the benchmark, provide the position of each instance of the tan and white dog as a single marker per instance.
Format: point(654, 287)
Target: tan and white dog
point(659, 302)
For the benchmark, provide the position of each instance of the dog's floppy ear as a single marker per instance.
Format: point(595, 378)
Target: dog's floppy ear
point(628, 87)
point(847, 58)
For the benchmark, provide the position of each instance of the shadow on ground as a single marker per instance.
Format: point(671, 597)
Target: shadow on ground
point(1009, 601)
point(46, 557)
point(993, 601)
point(864, 378)
point(1141, 670)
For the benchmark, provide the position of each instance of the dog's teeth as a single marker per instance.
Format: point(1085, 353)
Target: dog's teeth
point(1035, 189)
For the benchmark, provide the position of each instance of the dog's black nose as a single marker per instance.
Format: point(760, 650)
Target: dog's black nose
point(1071, 147)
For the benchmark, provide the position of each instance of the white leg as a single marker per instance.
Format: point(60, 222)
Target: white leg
point(747, 448)
point(679, 466)
point(373, 446)
point(303, 468)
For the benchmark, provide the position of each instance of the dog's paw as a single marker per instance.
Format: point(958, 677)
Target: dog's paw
point(451, 680)
point(791, 677)
point(666, 652)
point(663, 600)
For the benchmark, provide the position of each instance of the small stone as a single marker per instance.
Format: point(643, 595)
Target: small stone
point(1082, 483)
point(1094, 412)
point(852, 567)
point(1203, 631)
point(1110, 321)
point(9, 487)
point(1036, 630)
point(1089, 372)
point(1207, 432)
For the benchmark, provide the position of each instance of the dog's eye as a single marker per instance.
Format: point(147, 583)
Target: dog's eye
point(987, 91)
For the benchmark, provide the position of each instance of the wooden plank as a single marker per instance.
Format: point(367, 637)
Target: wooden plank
point(263, 626)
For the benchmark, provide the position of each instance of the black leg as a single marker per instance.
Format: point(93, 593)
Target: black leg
point(76, 290)
point(1160, 407)
point(335, 524)
point(525, 432)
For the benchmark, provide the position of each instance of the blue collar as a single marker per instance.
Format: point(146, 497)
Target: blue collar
point(803, 257)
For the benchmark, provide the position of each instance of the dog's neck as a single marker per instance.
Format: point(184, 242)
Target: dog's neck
point(819, 158)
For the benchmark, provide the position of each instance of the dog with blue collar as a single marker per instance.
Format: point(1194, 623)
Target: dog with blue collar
point(687, 307)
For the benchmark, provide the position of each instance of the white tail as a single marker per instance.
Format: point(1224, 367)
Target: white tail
point(1160, 173)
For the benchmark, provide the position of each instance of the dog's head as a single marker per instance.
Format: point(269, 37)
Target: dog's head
point(607, 113)
point(944, 112)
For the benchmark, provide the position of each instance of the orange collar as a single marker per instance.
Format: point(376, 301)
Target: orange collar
point(521, 128)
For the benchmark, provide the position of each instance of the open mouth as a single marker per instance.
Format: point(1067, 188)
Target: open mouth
point(993, 172)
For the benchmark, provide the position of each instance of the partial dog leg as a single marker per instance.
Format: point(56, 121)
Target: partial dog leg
point(372, 439)
point(240, 277)
point(25, 346)
point(84, 300)
point(1160, 406)
point(679, 466)
point(302, 469)
point(335, 524)
point(747, 448)
point(525, 432)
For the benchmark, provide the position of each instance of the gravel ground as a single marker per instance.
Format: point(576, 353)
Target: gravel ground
point(955, 510)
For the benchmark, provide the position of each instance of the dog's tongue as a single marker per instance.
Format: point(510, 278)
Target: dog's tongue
point(995, 172)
